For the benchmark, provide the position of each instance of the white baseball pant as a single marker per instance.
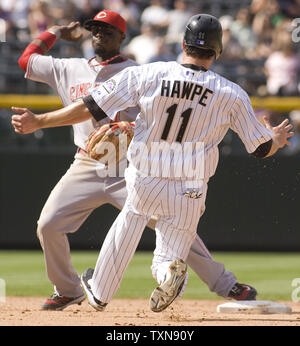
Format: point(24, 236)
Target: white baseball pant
point(176, 227)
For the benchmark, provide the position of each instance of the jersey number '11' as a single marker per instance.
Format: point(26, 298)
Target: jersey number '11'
point(171, 112)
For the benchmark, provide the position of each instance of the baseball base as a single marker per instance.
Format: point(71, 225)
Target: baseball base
point(254, 307)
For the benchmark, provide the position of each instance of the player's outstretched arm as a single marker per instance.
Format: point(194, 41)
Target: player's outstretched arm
point(25, 121)
point(282, 133)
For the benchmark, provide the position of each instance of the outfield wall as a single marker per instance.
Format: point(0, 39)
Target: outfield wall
point(252, 204)
point(46, 102)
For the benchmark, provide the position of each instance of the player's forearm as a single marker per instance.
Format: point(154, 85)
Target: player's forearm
point(274, 148)
point(266, 149)
point(70, 115)
point(40, 45)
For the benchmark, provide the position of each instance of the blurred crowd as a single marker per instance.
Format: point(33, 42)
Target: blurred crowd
point(260, 49)
point(258, 30)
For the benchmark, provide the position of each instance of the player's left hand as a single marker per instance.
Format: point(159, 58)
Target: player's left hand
point(24, 122)
point(282, 132)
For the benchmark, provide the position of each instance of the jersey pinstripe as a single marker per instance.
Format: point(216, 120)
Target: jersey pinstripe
point(177, 105)
point(180, 105)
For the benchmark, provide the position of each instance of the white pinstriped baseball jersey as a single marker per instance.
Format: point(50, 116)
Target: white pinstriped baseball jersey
point(180, 105)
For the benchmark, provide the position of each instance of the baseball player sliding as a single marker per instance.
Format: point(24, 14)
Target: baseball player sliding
point(81, 190)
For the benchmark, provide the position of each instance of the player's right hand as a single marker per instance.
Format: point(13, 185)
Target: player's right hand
point(282, 132)
point(70, 32)
point(24, 122)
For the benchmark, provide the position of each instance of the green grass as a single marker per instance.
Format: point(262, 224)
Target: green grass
point(271, 274)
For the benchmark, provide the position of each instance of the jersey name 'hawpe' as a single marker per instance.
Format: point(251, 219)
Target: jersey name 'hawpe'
point(178, 106)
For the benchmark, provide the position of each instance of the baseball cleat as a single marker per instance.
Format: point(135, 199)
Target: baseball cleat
point(86, 278)
point(242, 292)
point(169, 290)
point(57, 302)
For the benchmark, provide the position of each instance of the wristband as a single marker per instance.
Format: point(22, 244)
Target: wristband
point(55, 32)
point(48, 38)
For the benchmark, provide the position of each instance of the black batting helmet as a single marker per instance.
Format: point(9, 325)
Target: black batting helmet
point(204, 31)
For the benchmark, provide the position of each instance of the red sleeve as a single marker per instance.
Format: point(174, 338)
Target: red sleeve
point(29, 50)
point(47, 38)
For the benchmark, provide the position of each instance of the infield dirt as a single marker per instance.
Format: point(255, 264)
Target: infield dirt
point(25, 311)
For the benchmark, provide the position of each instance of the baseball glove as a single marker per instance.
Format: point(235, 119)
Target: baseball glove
point(109, 143)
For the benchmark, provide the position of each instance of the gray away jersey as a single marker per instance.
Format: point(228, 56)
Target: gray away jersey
point(71, 79)
point(184, 115)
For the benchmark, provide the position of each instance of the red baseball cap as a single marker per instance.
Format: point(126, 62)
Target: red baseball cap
point(108, 17)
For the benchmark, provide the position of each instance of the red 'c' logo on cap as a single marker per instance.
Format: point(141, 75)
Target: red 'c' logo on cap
point(101, 15)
